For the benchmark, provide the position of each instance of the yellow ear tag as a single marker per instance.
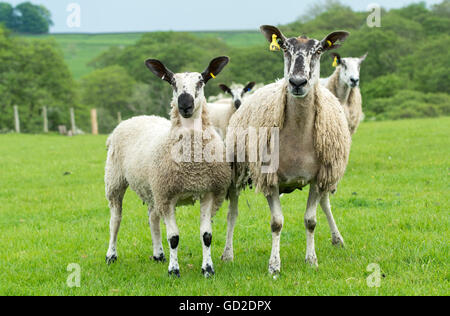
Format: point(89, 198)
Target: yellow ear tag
point(329, 43)
point(274, 46)
point(335, 64)
point(212, 75)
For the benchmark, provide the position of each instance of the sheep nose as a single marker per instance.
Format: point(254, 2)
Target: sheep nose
point(354, 81)
point(237, 104)
point(298, 82)
point(185, 101)
point(186, 105)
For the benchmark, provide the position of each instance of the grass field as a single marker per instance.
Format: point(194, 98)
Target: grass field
point(392, 209)
point(80, 49)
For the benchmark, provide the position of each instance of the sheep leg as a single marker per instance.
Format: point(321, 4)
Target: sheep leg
point(206, 234)
point(115, 205)
point(310, 224)
point(232, 216)
point(155, 229)
point(336, 237)
point(173, 237)
point(277, 225)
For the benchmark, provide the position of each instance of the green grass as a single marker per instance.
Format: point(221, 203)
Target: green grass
point(392, 209)
point(80, 49)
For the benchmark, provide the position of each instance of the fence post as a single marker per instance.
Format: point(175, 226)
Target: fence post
point(94, 122)
point(119, 117)
point(44, 114)
point(72, 121)
point(16, 119)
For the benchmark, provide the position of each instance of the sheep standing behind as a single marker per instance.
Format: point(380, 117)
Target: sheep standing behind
point(310, 141)
point(344, 84)
point(148, 154)
point(222, 109)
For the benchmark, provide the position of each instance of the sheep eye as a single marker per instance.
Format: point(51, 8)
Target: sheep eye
point(281, 43)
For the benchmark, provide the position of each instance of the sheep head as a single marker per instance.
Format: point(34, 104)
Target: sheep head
point(237, 92)
point(302, 57)
point(349, 69)
point(188, 88)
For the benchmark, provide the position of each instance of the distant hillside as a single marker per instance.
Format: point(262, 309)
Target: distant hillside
point(80, 49)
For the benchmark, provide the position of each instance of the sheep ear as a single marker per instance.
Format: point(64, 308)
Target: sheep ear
point(159, 70)
point(363, 57)
point(249, 86)
point(331, 41)
point(215, 67)
point(269, 30)
point(225, 88)
point(337, 56)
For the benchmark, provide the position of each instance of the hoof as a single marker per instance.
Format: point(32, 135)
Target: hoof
point(227, 257)
point(274, 265)
point(175, 273)
point(111, 259)
point(160, 258)
point(338, 241)
point(274, 271)
point(312, 261)
point(208, 272)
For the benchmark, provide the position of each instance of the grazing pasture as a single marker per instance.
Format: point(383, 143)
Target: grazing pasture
point(392, 209)
point(80, 49)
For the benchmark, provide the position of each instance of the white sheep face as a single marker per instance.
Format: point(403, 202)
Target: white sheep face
point(188, 88)
point(188, 93)
point(237, 92)
point(350, 70)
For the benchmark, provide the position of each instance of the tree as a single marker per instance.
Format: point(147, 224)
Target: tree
point(26, 18)
point(33, 74)
point(109, 90)
point(7, 17)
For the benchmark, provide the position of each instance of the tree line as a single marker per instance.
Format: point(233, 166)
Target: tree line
point(404, 76)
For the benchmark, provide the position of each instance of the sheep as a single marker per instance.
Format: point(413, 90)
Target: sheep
point(310, 141)
point(222, 110)
point(344, 84)
point(144, 154)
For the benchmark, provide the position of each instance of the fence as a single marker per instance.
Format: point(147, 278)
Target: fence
point(62, 129)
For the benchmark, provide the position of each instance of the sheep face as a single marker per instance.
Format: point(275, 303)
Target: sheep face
point(349, 69)
point(237, 92)
point(188, 88)
point(188, 94)
point(302, 58)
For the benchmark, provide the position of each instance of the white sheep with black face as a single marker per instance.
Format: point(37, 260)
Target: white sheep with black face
point(221, 110)
point(344, 84)
point(144, 154)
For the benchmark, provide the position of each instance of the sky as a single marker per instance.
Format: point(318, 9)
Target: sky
point(107, 16)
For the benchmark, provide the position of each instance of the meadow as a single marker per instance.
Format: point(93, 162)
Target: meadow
point(80, 49)
point(392, 209)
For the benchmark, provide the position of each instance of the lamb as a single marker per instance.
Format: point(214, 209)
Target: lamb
point(310, 141)
point(153, 156)
point(222, 110)
point(344, 84)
